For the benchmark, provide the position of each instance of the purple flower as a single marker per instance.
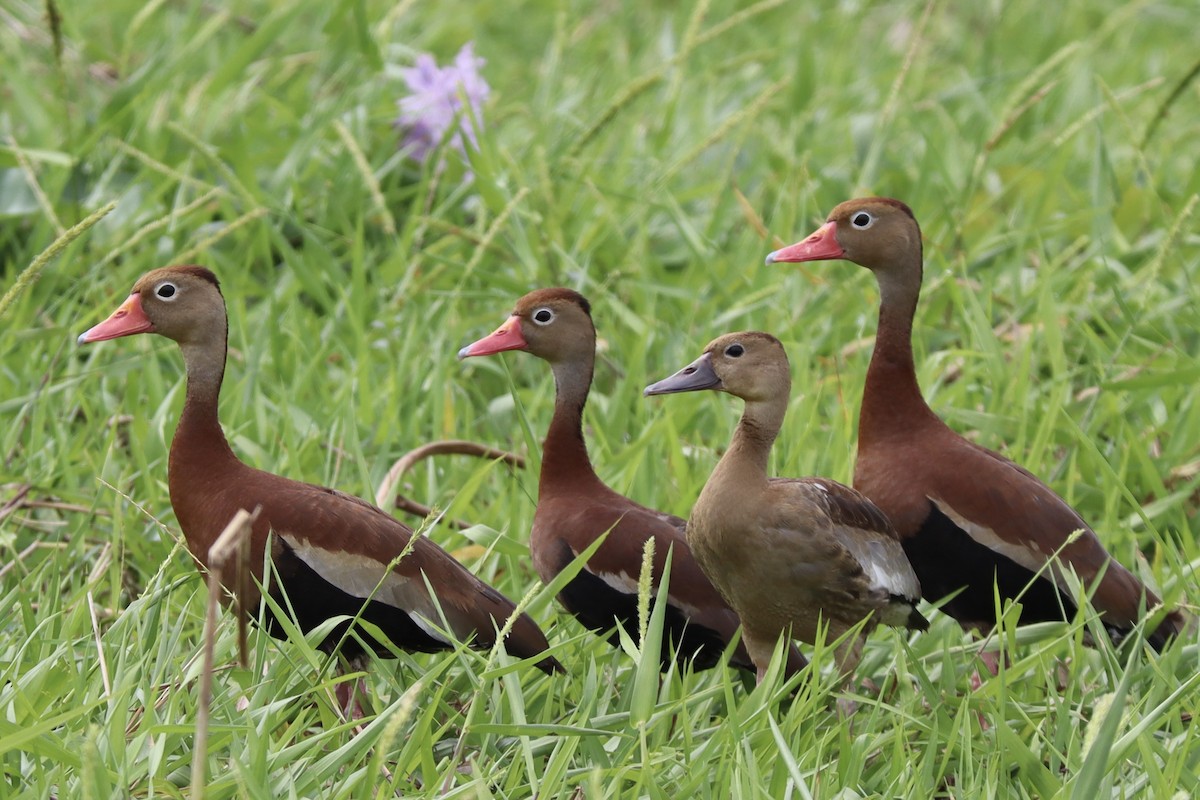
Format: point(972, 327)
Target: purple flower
point(434, 107)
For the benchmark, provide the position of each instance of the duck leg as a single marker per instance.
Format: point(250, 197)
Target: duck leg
point(761, 647)
point(846, 656)
point(350, 694)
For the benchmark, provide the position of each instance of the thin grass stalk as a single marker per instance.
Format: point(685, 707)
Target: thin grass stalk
point(31, 273)
point(233, 542)
point(35, 185)
point(368, 176)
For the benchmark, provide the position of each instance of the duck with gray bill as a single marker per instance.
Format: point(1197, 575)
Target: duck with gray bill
point(789, 554)
point(575, 507)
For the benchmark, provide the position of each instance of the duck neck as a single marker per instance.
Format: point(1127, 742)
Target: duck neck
point(565, 461)
point(199, 438)
point(892, 396)
point(744, 465)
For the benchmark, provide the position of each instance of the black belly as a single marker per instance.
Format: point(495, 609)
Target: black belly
point(946, 559)
point(312, 600)
point(601, 608)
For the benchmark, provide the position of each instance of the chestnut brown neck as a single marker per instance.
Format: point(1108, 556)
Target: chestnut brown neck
point(199, 442)
point(565, 462)
point(892, 400)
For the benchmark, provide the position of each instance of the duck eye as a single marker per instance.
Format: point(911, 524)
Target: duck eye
point(543, 316)
point(735, 351)
point(165, 290)
point(862, 220)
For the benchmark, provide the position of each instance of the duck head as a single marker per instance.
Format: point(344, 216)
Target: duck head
point(552, 324)
point(878, 233)
point(751, 365)
point(182, 303)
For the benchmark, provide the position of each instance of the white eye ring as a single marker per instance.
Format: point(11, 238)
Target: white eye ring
point(862, 220)
point(170, 289)
point(542, 316)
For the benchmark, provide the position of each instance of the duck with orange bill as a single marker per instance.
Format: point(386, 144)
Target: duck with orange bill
point(575, 507)
point(973, 523)
point(332, 554)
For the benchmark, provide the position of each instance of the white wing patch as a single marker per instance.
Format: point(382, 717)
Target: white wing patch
point(359, 575)
point(889, 571)
point(624, 584)
point(893, 582)
point(1027, 557)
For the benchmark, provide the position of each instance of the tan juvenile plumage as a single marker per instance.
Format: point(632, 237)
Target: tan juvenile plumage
point(575, 507)
point(787, 553)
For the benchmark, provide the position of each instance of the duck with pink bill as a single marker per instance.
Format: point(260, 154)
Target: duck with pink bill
point(332, 554)
point(575, 507)
point(973, 523)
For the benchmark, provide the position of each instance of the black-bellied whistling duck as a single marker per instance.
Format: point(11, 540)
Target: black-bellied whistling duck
point(329, 550)
point(575, 507)
point(787, 553)
point(969, 518)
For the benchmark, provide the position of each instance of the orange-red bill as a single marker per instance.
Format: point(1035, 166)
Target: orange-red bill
point(820, 246)
point(127, 320)
point(507, 337)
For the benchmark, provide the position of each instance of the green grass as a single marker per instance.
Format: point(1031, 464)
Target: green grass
point(1057, 324)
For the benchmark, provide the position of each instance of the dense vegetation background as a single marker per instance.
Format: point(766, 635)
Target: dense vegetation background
point(649, 154)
